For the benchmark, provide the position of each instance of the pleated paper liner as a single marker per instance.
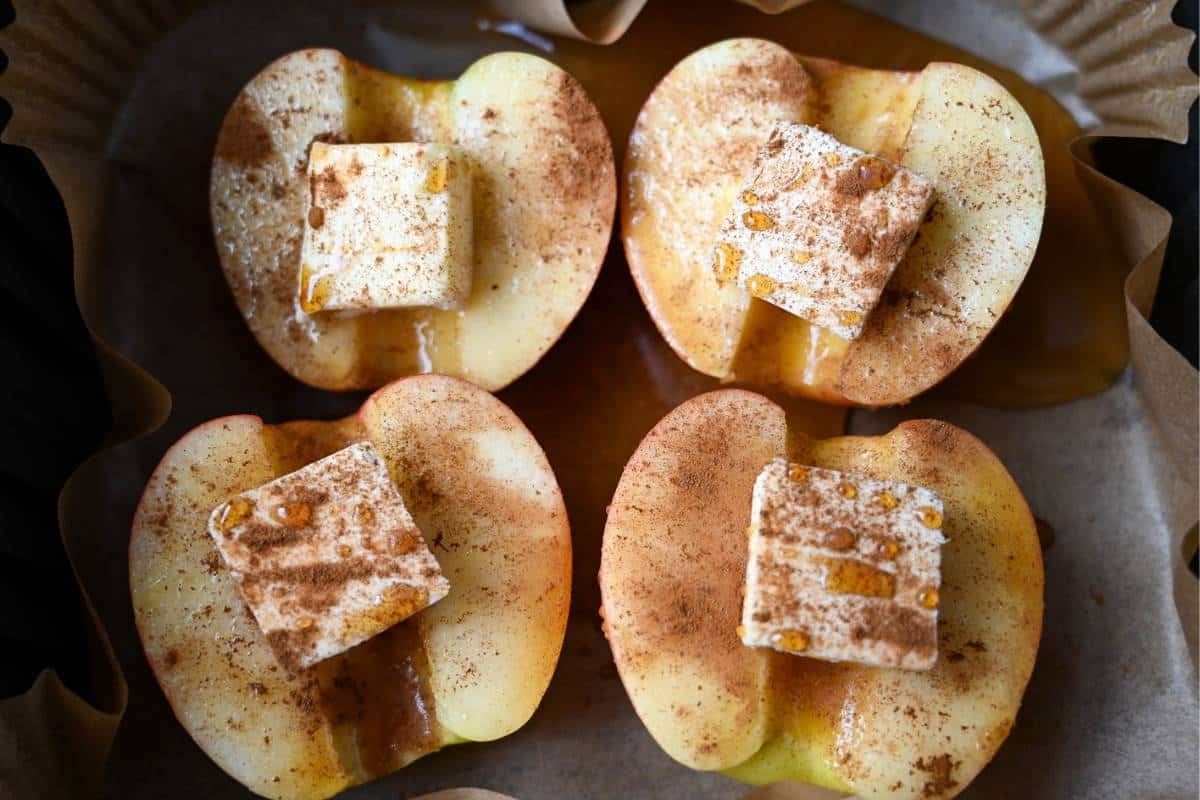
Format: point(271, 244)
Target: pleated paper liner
point(124, 123)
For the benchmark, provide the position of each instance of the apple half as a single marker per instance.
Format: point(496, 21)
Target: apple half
point(472, 667)
point(698, 133)
point(544, 197)
point(672, 569)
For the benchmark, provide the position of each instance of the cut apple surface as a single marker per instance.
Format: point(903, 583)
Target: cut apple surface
point(473, 667)
point(673, 566)
point(544, 193)
point(689, 151)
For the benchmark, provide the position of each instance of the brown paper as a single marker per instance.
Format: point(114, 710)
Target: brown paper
point(147, 282)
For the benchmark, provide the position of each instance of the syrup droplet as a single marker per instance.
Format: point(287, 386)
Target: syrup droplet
point(874, 173)
point(841, 539)
point(791, 641)
point(931, 517)
point(811, 234)
point(316, 217)
point(234, 513)
point(801, 257)
point(847, 576)
point(832, 159)
point(314, 291)
point(788, 552)
point(848, 490)
point(928, 598)
point(741, 631)
point(305, 623)
point(887, 501)
point(760, 285)
point(294, 514)
point(849, 318)
point(749, 531)
point(344, 550)
point(435, 181)
point(749, 198)
point(726, 261)
point(279, 591)
point(757, 221)
point(797, 473)
point(891, 549)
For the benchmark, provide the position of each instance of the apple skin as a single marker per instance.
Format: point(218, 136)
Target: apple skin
point(672, 570)
point(544, 198)
point(697, 134)
point(483, 494)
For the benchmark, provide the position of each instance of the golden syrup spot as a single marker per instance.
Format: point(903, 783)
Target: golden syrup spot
point(788, 552)
point(439, 173)
point(874, 173)
point(847, 576)
point(306, 623)
point(749, 531)
point(804, 177)
point(928, 598)
point(887, 501)
point(364, 515)
point(410, 600)
point(849, 318)
point(314, 291)
point(797, 473)
point(791, 641)
point(801, 257)
point(841, 539)
point(848, 490)
point(293, 515)
point(234, 513)
point(405, 543)
point(890, 549)
point(757, 221)
point(726, 261)
point(931, 517)
point(344, 550)
point(749, 198)
point(811, 235)
point(741, 631)
point(279, 591)
point(316, 217)
point(832, 159)
point(760, 285)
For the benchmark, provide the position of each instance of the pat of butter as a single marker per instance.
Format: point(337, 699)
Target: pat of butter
point(327, 556)
point(843, 567)
point(386, 226)
point(819, 227)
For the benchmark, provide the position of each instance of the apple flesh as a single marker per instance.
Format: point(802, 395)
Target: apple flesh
point(473, 667)
point(672, 569)
point(544, 193)
point(696, 136)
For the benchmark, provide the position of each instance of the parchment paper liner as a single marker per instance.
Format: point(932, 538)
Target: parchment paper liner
point(71, 66)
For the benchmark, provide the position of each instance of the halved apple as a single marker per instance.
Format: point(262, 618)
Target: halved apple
point(672, 569)
point(544, 195)
point(697, 134)
point(472, 667)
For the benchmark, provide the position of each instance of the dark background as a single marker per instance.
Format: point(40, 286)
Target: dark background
point(54, 411)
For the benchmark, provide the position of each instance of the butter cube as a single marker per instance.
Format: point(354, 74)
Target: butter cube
point(327, 556)
point(386, 226)
point(819, 228)
point(843, 567)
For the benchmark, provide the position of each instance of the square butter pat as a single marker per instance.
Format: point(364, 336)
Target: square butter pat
point(327, 556)
point(819, 228)
point(843, 567)
point(386, 226)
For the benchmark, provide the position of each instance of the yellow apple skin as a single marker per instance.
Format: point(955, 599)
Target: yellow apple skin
point(544, 196)
point(487, 501)
point(691, 146)
point(672, 569)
